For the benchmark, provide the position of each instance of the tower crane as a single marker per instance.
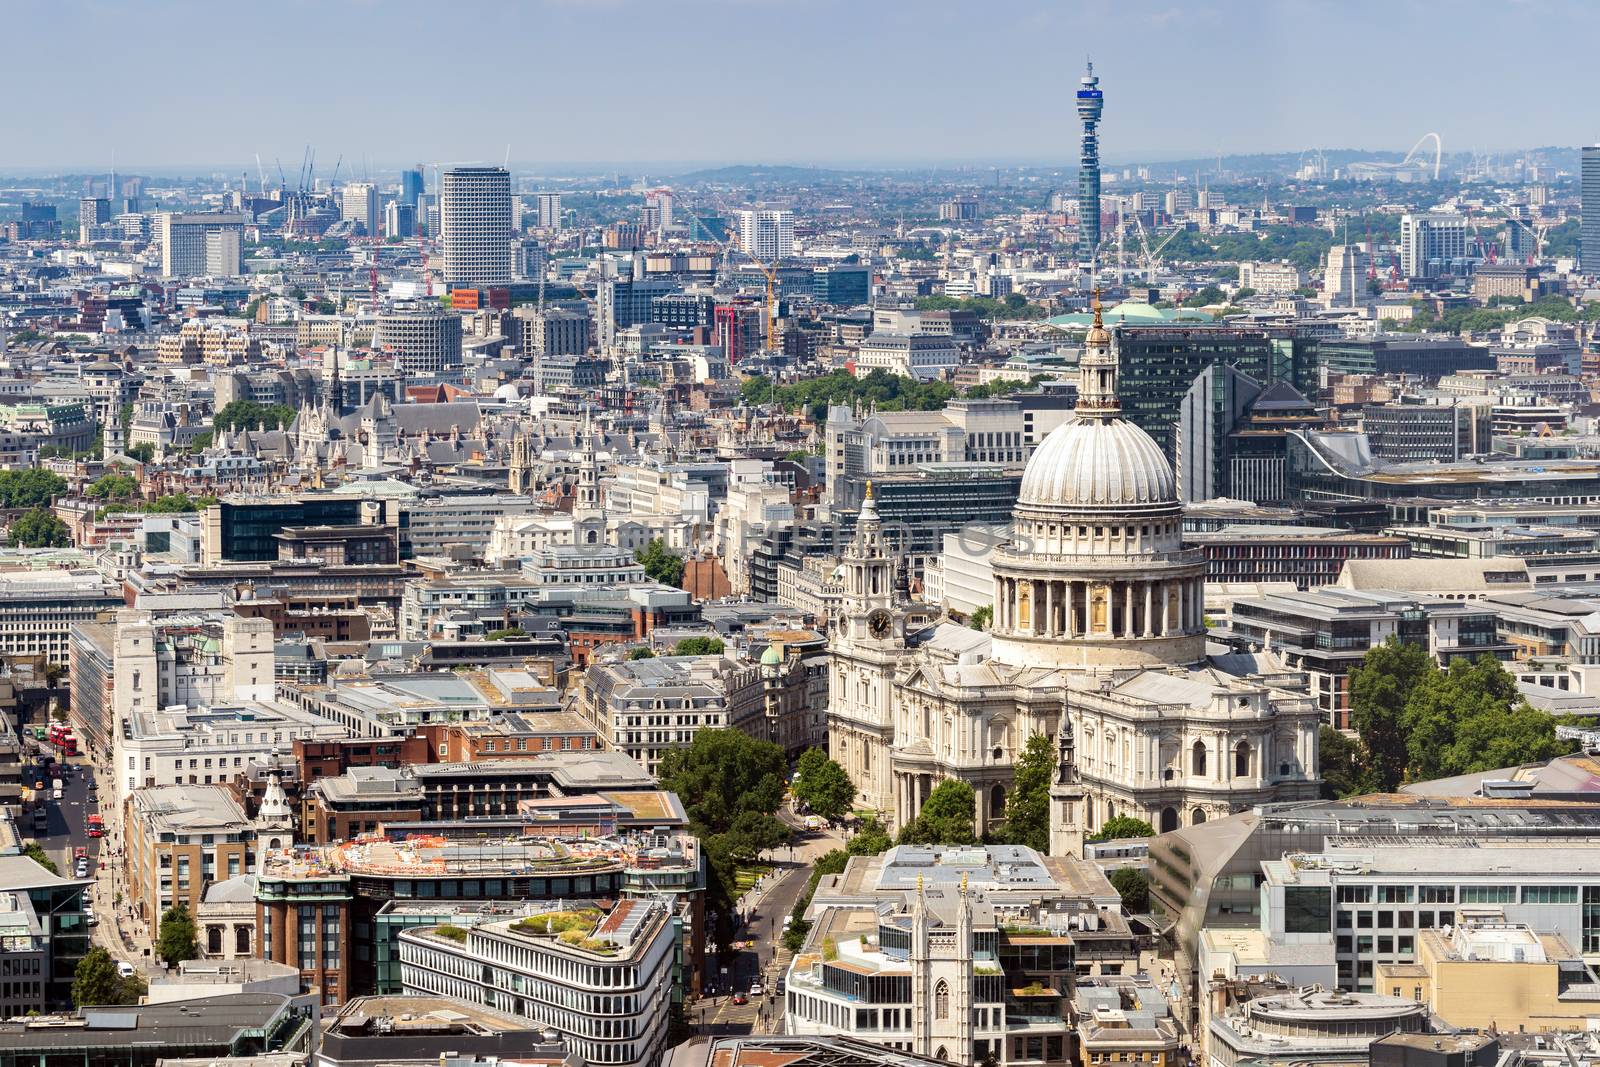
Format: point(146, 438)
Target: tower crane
point(1151, 254)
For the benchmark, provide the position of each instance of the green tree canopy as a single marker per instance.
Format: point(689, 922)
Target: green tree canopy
point(32, 488)
point(249, 415)
point(1205, 297)
point(641, 653)
point(1379, 690)
point(982, 618)
point(947, 817)
point(39, 529)
point(1133, 885)
point(95, 982)
point(113, 487)
point(175, 939)
point(1344, 771)
point(659, 563)
point(35, 852)
point(1028, 806)
point(823, 786)
point(699, 646)
point(1123, 827)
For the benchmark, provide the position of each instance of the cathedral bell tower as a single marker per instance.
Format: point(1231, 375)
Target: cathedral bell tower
point(870, 602)
point(1066, 794)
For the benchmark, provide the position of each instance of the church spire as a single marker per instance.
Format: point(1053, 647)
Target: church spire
point(1097, 372)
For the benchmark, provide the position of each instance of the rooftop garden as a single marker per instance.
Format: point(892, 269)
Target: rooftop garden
point(454, 933)
point(575, 928)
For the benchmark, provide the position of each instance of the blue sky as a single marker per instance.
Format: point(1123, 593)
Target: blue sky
point(187, 82)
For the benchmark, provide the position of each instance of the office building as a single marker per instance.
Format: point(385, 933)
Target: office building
point(1511, 973)
point(1232, 437)
point(1432, 243)
point(342, 944)
point(195, 245)
point(358, 205)
point(1589, 244)
point(399, 219)
point(1327, 632)
point(1273, 279)
point(242, 1026)
point(425, 1031)
point(180, 840)
point(1308, 556)
point(766, 235)
point(600, 976)
point(412, 184)
point(925, 357)
point(547, 211)
point(475, 226)
point(1309, 1027)
point(959, 209)
point(1159, 365)
point(846, 284)
point(38, 609)
point(92, 211)
point(42, 936)
point(1344, 281)
point(956, 954)
point(619, 700)
point(421, 341)
point(1091, 103)
point(554, 332)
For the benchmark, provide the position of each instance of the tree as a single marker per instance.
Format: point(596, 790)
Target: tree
point(96, 982)
point(1343, 772)
point(1379, 691)
point(144, 451)
point(663, 566)
point(113, 487)
point(871, 840)
point(982, 618)
point(248, 415)
point(39, 529)
point(35, 852)
point(1123, 827)
point(1028, 806)
point(1471, 717)
point(947, 817)
point(829, 863)
point(175, 940)
point(641, 653)
point(1244, 293)
point(33, 488)
point(823, 786)
point(507, 634)
point(699, 646)
point(1209, 295)
point(1133, 885)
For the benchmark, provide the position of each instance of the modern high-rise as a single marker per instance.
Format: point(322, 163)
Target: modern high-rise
point(1589, 247)
point(412, 183)
point(1430, 241)
point(188, 250)
point(766, 235)
point(1090, 104)
point(399, 219)
point(92, 211)
point(358, 204)
point(475, 225)
point(547, 211)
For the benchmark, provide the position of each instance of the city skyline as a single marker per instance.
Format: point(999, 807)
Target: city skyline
point(1188, 81)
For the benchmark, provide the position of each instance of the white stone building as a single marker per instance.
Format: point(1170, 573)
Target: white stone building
point(1098, 607)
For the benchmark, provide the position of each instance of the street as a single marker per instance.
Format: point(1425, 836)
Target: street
point(69, 830)
point(766, 910)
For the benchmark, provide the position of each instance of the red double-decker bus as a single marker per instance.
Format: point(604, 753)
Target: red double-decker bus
point(63, 738)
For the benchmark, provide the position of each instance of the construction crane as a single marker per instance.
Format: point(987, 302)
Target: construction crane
point(1151, 254)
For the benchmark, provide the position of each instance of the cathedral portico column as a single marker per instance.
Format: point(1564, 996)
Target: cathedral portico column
point(1127, 609)
point(1050, 609)
point(1148, 601)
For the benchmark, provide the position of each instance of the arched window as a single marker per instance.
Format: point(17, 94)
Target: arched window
point(941, 1002)
point(241, 940)
point(997, 800)
point(1197, 763)
point(1169, 820)
point(1241, 760)
point(942, 1054)
point(1197, 816)
point(214, 940)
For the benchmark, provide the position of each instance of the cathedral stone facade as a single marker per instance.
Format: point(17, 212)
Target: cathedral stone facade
point(1098, 640)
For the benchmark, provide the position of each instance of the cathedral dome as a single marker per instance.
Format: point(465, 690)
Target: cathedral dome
point(1091, 465)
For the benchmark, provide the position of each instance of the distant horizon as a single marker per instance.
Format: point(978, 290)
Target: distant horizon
point(837, 82)
point(673, 168)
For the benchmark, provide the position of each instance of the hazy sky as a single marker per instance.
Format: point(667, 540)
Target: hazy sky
point(190, 82)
